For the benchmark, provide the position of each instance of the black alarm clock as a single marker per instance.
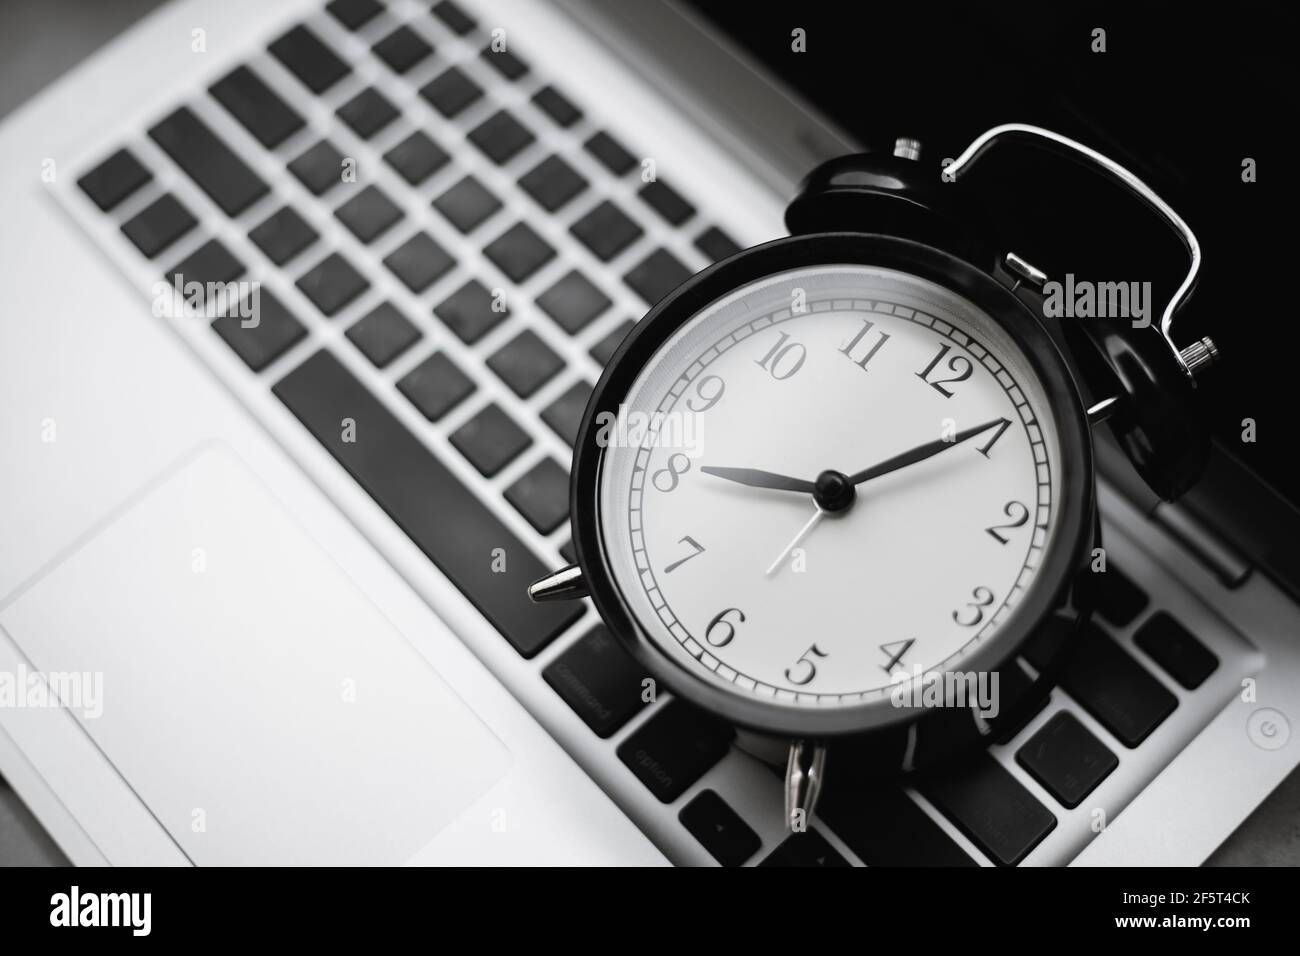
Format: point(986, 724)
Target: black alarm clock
point(836, 487)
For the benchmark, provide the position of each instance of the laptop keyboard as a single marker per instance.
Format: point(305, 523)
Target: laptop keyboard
point(675, 745)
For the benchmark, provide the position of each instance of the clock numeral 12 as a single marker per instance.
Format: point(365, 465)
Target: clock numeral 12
point(867, 326)
point(775, 362)
point(805, 661)
point(959, 364)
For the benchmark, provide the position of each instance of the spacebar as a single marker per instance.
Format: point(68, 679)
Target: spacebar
point(443, 517)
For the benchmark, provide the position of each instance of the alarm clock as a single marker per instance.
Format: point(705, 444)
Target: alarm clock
point(838, 488)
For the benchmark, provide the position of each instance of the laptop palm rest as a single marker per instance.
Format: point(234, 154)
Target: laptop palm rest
point(263, 709)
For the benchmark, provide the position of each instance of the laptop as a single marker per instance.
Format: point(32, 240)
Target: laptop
point(276, 570)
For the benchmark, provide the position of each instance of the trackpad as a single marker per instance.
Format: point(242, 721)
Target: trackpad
point(261, 706)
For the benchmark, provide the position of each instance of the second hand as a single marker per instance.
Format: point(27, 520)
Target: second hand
point(803, 533)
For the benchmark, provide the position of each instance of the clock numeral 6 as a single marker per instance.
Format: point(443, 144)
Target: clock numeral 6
point(983, 598)
point(805, 661)
point(724, 629)
point(710, 389)
point(783, 360)
point(1017, 512)
point(959, 364)
point(665, 479)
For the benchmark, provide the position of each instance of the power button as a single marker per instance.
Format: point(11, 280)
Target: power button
point(1268, 729)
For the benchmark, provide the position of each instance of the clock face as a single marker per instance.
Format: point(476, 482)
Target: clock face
point(831, 480)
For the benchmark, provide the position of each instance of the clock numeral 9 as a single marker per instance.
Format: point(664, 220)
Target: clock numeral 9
point(665, 479)
point(983, 598)
point(715, 387)
point(1018, 513)
point(783, 360)
point(958, 363)
point(805, 661)
point(724, 629)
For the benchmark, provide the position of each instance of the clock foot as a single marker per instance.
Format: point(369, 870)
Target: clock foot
point(804, 772)
point(565, 584)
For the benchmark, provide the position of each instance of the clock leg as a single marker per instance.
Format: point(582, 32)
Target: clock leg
point(804, 772)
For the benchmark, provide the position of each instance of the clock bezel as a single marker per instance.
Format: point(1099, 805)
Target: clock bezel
point(1072, 537)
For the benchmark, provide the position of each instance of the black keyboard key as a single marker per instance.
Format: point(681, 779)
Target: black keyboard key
point(283, 235)
point(428, 502)
point(525, 363)
point(1116, 689)
point(1066, 759)
point(716, 244)
point(568, 552)
point(564, 415)
point(604, 350)
point(519, 252)
point(991, 808)
point(674, 748)
point(541, 495)
point(332, 283)
point(504, 62)
point(552, 182)
point(1119, 600)
point(490, 440)
point(354, 14)
point(886, 827)
point(557, 106)
point(383, 333)
point(573, 302)
point(469, 312)
point(274, 334)
point(501, 137)
point(208, 161)
point(450, 92)
point(1173, 647)
point(436, 386)
point(306, 57)
point(416, 158)
point(611, 153)
point(419, 262)
point(606, 230)
point(807, 849)
point(259, 108)
point(656, 275)
point(666, 201)
point(467, 204)
point(368, 112)
point(210, 262)
point(599, 680)
point(114, 179)
point(368, 214)
point(456, 20)
point(1019, 704)
point(719, 829)
point(319, 168)
point(158, 225)
point(402, 49)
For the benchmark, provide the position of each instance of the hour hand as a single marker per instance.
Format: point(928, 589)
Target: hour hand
point(761, 479)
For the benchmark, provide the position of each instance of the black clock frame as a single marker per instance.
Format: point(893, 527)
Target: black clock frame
point(1055, 594)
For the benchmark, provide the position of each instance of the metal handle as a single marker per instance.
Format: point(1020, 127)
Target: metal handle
point(1198, 354)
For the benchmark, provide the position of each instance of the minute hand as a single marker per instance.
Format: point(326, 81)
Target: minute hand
point(920, 453)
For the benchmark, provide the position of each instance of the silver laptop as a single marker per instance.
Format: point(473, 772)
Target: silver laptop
point(275, 572)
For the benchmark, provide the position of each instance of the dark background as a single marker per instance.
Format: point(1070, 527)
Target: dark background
point(1183, 93)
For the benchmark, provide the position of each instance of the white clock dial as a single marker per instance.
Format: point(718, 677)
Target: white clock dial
point(817, 370)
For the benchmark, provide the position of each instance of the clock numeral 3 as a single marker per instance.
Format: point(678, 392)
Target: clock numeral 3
point(807, 662)
point(699, 549)
point(895, 650)
point(959, 364)
point(1018, 513)
point(783, 360)
point(726, 630)
point(983, 598)
point(666, 479)
point(716, 386)
point(867, 326)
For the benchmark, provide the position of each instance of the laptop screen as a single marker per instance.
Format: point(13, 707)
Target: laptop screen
point(1183, 101)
